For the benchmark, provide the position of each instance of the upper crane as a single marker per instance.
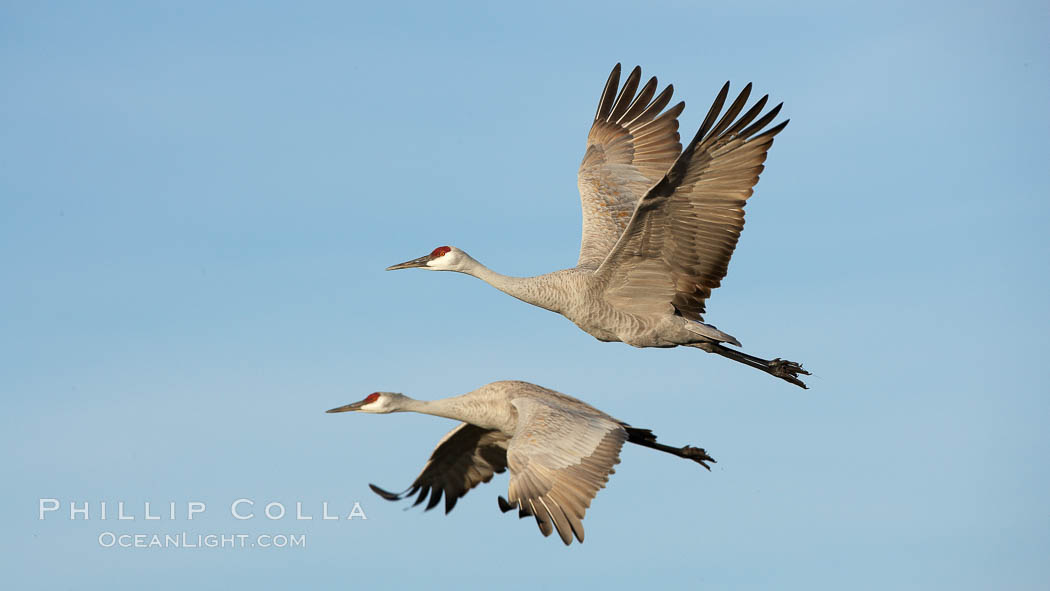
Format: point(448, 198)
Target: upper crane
point(659, 223)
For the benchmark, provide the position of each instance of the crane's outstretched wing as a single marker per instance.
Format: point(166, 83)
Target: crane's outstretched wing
point(629, 148)
point(559, 459)
point(464, 458)
point(677, 246)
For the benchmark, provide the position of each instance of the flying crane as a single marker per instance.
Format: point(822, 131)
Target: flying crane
point(659, 223)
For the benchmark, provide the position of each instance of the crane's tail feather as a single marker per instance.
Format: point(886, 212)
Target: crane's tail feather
point(781, 368)
point(710, 332)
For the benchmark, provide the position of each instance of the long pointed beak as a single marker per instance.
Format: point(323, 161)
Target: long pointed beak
point(420, 262)
point(348, 407)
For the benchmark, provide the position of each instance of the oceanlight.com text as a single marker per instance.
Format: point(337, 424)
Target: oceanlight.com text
point(185, 540)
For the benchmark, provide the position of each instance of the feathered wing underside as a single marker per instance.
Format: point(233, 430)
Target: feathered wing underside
point(464, 458)
point(629, 148)
point(559, 459)
point(677, 245)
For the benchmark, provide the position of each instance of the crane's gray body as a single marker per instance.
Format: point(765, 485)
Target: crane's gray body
point(492, 406)
point(581, 295)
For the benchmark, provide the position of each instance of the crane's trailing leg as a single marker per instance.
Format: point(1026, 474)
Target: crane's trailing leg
point(781, 368)
point(646, 438)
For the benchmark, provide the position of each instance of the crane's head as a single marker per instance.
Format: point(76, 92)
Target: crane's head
point(442, 258)
point(376, 402)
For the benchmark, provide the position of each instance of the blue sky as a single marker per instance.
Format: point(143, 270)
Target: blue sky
point(197, 203)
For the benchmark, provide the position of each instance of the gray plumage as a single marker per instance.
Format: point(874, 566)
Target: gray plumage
point(659, 223)
point(560, 450)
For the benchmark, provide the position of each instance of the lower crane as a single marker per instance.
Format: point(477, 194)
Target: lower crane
point(560, 450)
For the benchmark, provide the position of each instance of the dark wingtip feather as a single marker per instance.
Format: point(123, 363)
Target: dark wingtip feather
point(762, 122)
point(606, 102)
point(423, 491)
point(712, 114)
point(385, 493)
point(748, 117)
point(778, 128)
point(732, 112)
point(626, 95)
point(641, 101)
point(435, 498)
point(775, 130)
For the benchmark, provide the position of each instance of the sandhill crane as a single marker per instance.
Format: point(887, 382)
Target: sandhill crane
point(659, 223)
point(560, 450)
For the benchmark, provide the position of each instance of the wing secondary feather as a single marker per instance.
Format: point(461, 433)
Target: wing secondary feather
point(559, 459)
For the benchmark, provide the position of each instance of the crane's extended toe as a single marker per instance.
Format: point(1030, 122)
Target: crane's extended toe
point(788, 371)
point(698, 455)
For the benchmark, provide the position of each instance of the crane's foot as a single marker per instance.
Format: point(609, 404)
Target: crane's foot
point(781, 368)
point(698, 455)
point(788, 371)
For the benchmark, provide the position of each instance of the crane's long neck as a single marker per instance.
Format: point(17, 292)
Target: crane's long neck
point(461, 408)
point(537, 291)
